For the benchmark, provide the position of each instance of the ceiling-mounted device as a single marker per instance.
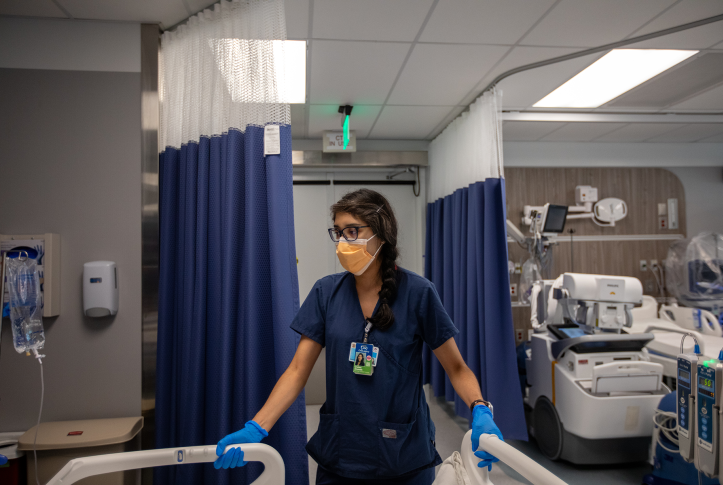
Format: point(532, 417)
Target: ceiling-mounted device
point(345, 111)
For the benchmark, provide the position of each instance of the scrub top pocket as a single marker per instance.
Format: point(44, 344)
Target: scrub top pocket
point(325, 441)
point(404, 447)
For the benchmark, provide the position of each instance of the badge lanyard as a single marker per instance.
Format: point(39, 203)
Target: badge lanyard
point(367, 329)
point(363, 354)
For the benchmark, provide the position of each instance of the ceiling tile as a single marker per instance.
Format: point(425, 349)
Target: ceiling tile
point(711, 100)
point(297, 19)
point(408, 122)
point(524, 89)
point(690, 133)
point(573, 132)
point(354, 72)
point(194, 6)
point(168, 12)
point(713, 139)
point(637, 132)
point(519, 56)
point(327, 117)
point(390, 20)
point(589, 23)
point(36, 8)
point(527, 130)
point(684, 12)
point(683, 81)
point(298, 120)
point(697, 38)
point(454, 113)
point(442, 74)
point(483, 21)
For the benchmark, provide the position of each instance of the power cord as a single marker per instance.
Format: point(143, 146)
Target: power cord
point(40, 413)
point(662, 421)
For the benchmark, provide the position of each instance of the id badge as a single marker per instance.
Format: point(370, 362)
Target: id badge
point(362, 355)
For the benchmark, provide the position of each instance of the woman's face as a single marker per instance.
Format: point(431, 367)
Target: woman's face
point(342, 220)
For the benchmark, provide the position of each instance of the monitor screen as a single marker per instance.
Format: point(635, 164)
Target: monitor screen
point(573, 332)
point(556, 217)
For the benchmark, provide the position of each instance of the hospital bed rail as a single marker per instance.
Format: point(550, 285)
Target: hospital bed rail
point(79, 468)
point(515, 459)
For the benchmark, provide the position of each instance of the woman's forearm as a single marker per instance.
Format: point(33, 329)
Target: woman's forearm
point(289, 386)
point(285, 392)
point(463, 379)
point(465, 383)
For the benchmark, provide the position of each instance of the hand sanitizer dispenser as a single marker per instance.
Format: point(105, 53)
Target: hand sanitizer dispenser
point(100, 289)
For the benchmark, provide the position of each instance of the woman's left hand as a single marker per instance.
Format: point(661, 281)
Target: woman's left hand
point(482, 423)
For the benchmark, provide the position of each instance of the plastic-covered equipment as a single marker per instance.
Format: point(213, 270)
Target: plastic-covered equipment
point(694, 271)
point(26, 306)
point(531, 272)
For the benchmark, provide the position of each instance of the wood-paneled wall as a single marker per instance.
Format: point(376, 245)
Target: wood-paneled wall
point(642, 188)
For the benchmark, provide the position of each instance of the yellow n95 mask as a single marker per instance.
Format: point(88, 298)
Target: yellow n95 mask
point(353, 255)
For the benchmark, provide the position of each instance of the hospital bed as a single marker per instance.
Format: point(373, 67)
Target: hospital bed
point(274, 472)
point(667, 325)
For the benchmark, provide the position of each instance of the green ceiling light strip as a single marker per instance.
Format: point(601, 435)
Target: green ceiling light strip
point(346, 131)
point(345, 110)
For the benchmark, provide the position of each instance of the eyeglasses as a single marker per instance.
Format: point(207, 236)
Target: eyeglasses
point(350, 233)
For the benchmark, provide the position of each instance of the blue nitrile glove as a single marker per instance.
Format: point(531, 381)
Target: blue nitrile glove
point(252, 433)
point(3, 460)
point(482, 423)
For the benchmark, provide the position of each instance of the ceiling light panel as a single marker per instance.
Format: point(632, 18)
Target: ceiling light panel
point(291, 74)
point(615, 73)
point(684, 82)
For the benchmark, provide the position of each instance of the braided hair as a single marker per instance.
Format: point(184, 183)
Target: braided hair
point(374, 209)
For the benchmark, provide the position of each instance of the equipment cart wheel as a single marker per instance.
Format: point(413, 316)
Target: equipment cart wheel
point(548, 429)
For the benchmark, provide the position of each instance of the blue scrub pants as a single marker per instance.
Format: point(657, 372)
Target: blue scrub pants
point(425, 477)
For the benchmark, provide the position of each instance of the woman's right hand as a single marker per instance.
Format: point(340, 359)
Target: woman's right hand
point(251, 433)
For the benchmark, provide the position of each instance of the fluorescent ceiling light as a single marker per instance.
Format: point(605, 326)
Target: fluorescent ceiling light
point(289, 70)
point(615, 73)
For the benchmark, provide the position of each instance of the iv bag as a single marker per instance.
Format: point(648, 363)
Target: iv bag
point(23, 283)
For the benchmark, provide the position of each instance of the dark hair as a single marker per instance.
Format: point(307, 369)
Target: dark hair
point(374, 209)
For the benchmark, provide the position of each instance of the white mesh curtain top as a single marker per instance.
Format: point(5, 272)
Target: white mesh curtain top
point(469, 150)
point(221, 71)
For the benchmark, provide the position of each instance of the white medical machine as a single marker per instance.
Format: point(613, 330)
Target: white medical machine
point(592, 388)
point(100, 289)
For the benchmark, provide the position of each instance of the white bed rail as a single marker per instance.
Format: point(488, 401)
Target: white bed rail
point(518, 461)
point(80, 468)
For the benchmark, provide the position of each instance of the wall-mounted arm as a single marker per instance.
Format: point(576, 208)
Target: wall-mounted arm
point(79, 468)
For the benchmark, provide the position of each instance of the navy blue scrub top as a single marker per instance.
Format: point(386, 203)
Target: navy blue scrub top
point(349, 441)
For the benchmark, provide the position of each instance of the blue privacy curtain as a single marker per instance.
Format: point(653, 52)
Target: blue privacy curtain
point(228, 285)
point(466, 259)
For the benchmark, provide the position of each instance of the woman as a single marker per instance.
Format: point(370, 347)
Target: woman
point(377, 309)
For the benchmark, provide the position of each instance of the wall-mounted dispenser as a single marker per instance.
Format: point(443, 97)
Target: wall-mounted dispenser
point(100, 289)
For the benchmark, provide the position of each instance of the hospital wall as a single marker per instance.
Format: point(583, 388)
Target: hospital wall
point(70, 142)
point(699, 166)
point(643, 174)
